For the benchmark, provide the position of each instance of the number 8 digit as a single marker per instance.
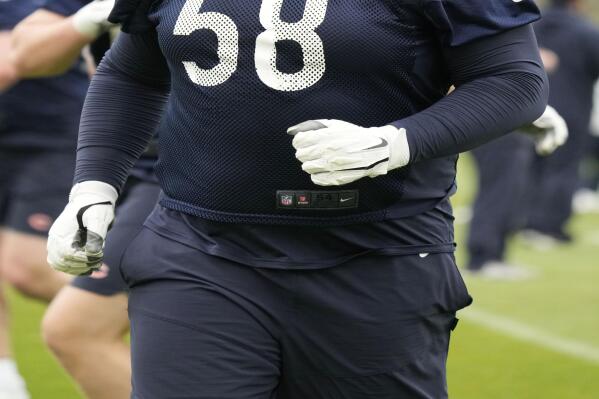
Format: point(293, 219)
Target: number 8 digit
point(302, 32)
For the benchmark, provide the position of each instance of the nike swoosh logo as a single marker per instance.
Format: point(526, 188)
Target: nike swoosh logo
point(370, 166)
point(382, 144)
point(346, 199)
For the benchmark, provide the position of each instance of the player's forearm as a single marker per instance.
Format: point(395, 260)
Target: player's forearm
point(119, 118)
point(8, 74)
point(45, 49)
point(497, 92)
point(123, 108)
point(476, 114)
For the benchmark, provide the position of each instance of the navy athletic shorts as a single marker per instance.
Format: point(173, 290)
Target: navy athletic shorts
point(136, 202)
point(205, 327)
point(34, 188)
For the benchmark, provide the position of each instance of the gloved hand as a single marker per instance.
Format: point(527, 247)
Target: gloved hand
point(549, 132)
point(76, 239)
point(336, 152)
point(92, 20)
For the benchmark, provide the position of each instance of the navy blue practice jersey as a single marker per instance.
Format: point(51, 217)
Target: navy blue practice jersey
point(40, 113)
point(243, 72)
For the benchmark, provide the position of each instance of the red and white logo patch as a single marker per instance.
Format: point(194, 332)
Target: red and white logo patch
point(40, 222)
point(286, 200)
point(102, 273)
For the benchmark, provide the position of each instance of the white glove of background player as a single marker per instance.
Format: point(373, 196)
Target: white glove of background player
point(549, 132)
point(92, 20)
point(76, 239)
point(334, 152)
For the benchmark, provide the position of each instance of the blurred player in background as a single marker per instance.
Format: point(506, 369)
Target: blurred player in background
point(509, 171)
point(86, 323)
point(504, 181)
point(251, 280)
point(586, 198)
point(48, 43)
point(38, 130)
point(570, 47)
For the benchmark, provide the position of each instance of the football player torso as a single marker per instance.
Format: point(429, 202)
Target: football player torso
point(243, 72)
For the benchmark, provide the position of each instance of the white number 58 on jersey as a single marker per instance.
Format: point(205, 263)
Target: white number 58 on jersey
point(303, 32)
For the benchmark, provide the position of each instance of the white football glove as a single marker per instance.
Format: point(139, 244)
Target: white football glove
point(336, 152)
point(549, 132)
point(76, 239)
point(92, 20)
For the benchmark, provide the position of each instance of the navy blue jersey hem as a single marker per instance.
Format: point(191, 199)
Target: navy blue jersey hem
point(232, 217)
point(268, 263)
point(396, 211)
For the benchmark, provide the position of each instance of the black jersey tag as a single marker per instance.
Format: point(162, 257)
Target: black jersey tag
point(317, 200)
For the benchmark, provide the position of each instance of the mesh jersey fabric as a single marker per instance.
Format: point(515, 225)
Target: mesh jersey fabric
point(224, 150)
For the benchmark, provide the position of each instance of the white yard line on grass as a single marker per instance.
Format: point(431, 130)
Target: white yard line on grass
point(533, 335)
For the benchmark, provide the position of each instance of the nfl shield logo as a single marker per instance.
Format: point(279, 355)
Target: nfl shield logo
point(287, 200)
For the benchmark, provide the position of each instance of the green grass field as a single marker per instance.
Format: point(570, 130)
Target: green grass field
point(520, 340)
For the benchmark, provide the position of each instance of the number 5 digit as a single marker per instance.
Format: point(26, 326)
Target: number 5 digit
point(191, 20)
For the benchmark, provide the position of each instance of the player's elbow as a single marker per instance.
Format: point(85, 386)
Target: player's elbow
point(534, 89)
point(520, 98)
